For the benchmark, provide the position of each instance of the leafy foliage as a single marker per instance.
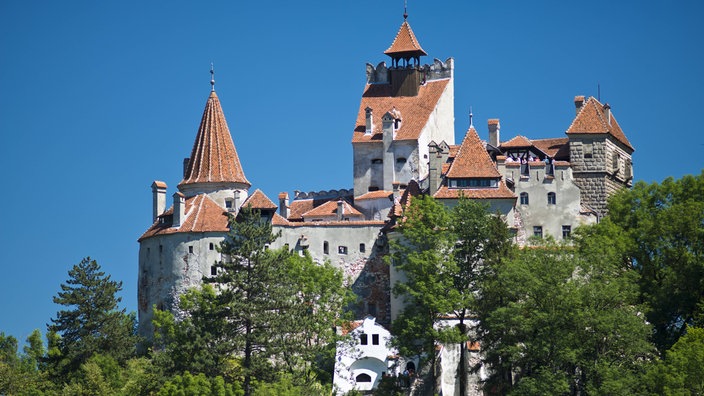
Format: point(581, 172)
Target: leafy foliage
point(665, 225)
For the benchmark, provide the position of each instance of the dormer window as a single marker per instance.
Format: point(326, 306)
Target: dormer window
point(463, 183)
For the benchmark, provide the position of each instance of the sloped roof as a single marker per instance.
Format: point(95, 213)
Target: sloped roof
point(330, 209)
point(502, 192)
point(214, 158)
point(202, 215)
point(259, 200)
point(415, 110)
point(592, 119)
point(298, 207)
point(555, 148)
point(375, 195)
point(516, 142)
point(405, 43)
point(472, 159)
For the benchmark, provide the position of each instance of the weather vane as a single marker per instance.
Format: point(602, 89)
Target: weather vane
point(212, 77)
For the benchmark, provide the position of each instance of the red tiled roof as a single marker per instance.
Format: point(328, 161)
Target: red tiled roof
point(472, 160)
point(279, 220)
point(374, 195)
point(405, 43)
point(501, 192)
point(592, 119)
point(330, 209)
point(555, 148)
point(259, 200)
point(298, 207)
point(518, 141)
point(214, 158)
point(202, 215)
point(415, 110)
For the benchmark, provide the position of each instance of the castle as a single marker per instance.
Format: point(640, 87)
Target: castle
point(403, 145)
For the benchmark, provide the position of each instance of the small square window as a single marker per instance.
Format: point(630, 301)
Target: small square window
point(375, 339)
point(228, 204)
point(552, 199)
point(588, 150)
point(363, 339)
point(524, 198)
point(566, 231)
point(538, 231)
point(362, 248)
point(342, 249)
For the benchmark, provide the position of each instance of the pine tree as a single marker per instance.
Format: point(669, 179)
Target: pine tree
point(91, 322)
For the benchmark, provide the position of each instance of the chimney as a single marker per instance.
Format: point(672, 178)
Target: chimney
point(397, 190)
point(340, 210)
point(369, 129)
point(179, 209)
point(607, 113)
point(283, 205)
point(578, 103)
point(158, 198)
point(494, 128)
point(186, 162)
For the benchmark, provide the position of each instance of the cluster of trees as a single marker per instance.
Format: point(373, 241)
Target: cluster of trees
point(264, 325)
point(617, 309)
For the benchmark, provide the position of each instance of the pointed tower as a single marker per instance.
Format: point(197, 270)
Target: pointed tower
point(214, 167)
point(179, 248)
point(403, 108)
point(405, 52)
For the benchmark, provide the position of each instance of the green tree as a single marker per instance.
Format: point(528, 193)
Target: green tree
point(92, 322)
point(21, 374)
point(562, 319)
point(422, 253)
point(665, 224)
point(198, 385)
point(681, 372)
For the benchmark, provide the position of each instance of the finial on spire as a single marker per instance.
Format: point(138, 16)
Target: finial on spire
point(212, 77)
point(405, 9)
point(470, 117)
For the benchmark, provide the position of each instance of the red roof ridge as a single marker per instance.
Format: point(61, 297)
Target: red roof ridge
point(472, 160)
point(259, 200)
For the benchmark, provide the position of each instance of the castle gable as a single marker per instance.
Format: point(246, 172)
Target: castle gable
point(595, 118)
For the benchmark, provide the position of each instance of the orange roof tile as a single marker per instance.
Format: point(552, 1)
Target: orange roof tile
point(375, 195)
point(214, 158)
point(501, 192)
point(472, 160)
point(415, 110)
point(592, 119)
point(555, 148)
point(518, 141)
point(202, 215)
point(298, 207)
point(259, 200)
point(330, 209)
point(405, 43)
point(159, 184)
point(279, 220)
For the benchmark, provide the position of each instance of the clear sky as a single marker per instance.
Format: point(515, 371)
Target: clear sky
point(100, 98)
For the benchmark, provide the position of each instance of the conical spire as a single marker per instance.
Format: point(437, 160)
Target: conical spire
point(214, 158)
point(405, 44)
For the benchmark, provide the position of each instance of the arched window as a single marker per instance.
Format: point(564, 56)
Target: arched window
point(524, 198)
point(363, 378)
point(552, 200)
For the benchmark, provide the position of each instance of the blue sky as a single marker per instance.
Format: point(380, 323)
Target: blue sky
point(98, 99)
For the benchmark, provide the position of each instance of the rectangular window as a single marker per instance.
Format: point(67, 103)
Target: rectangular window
point(362, 248)
point(342, 249)
point(326, 248)
point(566, 231)
point(538, 231)
point(211, 246)
point(213, 270)
point(551, 198)
point(363, 339)
point(588, 150)
point(190, 249)
point(375, 339)
point(524, 198)
point(228, 204)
